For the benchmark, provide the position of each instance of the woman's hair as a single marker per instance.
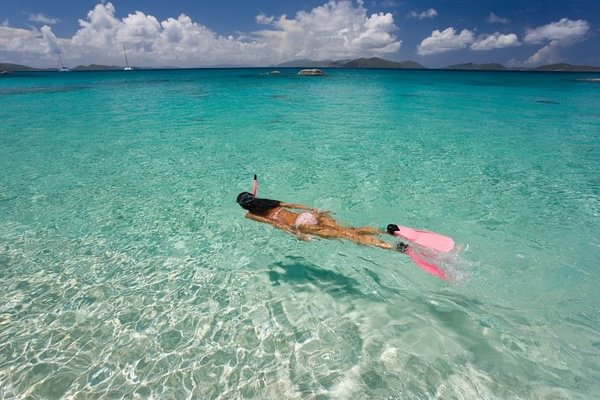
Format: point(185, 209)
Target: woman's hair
point(256, 205)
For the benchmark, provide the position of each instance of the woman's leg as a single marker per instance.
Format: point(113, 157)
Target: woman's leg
point(326, 221)
point(367, 230)
point(345, 233)
point(370, 241)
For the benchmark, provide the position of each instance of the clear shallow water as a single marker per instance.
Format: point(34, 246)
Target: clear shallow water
point(127, 269)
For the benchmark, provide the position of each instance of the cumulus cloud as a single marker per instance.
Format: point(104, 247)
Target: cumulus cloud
point(337, 29)
point(449, 40)
point(564, 31)
point(494, 19)
point(16, 39)
point(430, 13)
point(548, 54)
point(263, 19)
point(178, 41)
point(495, 41)
point(43, 19)
point(100, 28)
point(555, 35)
point(50, 39)
point(24, 46)
point(446, 40)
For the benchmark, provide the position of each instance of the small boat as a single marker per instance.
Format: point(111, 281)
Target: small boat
point(310, 71)
point(127, 67)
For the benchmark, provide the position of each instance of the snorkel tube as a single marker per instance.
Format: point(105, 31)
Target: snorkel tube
point(254, 186)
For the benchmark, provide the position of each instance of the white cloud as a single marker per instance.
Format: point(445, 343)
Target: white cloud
point(50, 39)
point(99, 29)
point(556, 35)
point(446, 40)
point(17, 39)
point(43, 19)
point(24, 46)
point(430, 13)
point(337, 29)
point(546, 55)
point(494, 19)
point(495, 41)
point(5, 22)
point(263, 19)
point(449, 40)
point(174, 41)
point(564, 31)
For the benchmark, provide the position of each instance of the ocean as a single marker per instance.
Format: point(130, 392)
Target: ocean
point(128, 270)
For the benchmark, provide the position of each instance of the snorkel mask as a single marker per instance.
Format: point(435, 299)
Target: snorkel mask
point(246, 199)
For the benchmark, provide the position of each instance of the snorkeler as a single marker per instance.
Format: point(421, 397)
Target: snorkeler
point(310, 221)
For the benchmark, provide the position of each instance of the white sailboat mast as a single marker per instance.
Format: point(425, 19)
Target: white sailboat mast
point(127, 67)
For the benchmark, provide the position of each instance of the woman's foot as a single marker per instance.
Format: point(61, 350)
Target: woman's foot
point(401, 247)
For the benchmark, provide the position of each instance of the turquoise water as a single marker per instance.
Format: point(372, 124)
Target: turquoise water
point(128, 270)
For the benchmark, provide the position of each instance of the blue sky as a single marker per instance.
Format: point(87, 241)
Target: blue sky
point(265, 32)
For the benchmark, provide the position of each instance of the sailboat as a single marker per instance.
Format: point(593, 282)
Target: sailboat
point(127, 67)
point(61, 67)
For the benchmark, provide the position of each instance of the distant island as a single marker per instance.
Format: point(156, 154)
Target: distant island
point(8, 67)
point(561, 67)
point(24, 68)
point(376, 62)
point(373, 62)
point(97, 67)
point(478, 67)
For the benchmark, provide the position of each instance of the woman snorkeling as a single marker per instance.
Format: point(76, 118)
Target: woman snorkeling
point(309, 221)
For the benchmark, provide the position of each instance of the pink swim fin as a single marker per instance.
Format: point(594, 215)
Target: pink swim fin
point(431, 240)
point(426, 266)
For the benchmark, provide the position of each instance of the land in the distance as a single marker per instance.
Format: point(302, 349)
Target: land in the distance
point(373, 62)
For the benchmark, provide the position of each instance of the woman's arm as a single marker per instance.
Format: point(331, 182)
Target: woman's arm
point(301, 207)
point(296, 206)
